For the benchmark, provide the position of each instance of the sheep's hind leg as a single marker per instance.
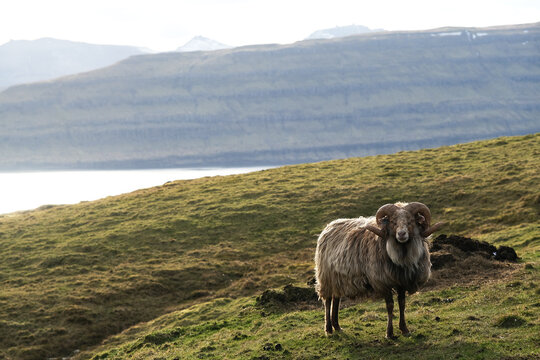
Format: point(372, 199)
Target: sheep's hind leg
point(335, 311)
point(390, 309)
point(402, 323)
point(327, 317)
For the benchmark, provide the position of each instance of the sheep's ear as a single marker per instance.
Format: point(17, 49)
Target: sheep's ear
point(420, 219)
point(375, 230)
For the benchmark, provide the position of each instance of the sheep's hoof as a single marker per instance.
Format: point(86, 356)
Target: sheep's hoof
point(406, 334)
point(391, 337)
point(334, 334)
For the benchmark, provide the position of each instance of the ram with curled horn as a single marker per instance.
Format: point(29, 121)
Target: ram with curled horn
point(374, 257)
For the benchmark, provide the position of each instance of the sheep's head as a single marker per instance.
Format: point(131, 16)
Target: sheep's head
point(400, 221)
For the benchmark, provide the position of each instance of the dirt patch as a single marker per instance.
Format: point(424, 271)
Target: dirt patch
point(458, 260)
point(291, 297)
point(469, 246)
point(506, 253)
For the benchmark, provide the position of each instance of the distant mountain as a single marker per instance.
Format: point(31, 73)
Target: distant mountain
point(341, 31)
point(23, 61)
point(200, 43)
point(280, 104)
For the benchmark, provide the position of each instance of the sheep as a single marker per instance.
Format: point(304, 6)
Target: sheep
point(372, 257)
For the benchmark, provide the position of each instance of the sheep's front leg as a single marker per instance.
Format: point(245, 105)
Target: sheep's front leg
point(390, 309)
point(402, 323)
point(328, 317)
point(335, 311)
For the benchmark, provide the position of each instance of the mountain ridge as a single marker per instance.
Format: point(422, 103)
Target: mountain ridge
point(308, 101)
point(341, 31)
point(45, 59)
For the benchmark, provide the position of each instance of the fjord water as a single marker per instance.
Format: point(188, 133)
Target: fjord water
point(29, 190)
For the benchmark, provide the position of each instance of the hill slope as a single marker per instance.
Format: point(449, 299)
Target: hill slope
point(24, 61)
point(448, 324)
point(279, 104)
point(73, 275)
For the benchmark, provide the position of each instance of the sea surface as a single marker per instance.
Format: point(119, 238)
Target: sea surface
point(29, 190)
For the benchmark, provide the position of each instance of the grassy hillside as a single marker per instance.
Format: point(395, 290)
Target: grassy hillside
point(280, 104)
point(448, 324)
point(74, 275)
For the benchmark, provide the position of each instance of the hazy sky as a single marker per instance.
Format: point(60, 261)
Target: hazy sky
point(166, 24)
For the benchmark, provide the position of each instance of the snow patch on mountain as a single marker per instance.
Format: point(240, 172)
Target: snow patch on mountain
point(200, 43)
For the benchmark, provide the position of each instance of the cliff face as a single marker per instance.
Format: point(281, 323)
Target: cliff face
point(270, 104)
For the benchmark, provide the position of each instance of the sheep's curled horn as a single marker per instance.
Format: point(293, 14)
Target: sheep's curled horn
point(414, 208)
point(384, 211)
point(418, 208)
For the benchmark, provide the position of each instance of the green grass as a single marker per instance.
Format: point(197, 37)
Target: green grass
point(237, 329)
point(73, 276)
